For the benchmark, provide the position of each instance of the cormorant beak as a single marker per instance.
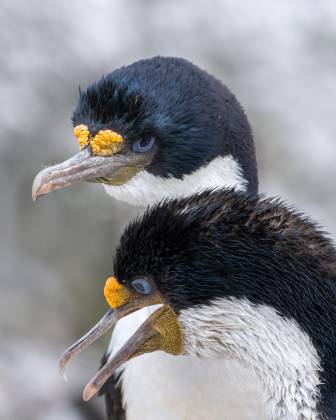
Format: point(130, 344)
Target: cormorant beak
point(160, 331)
point(115, 169)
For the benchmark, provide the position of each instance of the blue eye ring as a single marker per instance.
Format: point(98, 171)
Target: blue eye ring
point(142, 286)
point(144, 145)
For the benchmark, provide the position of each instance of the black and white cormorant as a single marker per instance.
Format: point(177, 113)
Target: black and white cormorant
point(236, 277)
point(156, 129)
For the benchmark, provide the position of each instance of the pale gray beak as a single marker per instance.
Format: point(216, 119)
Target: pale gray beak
point(115, 169)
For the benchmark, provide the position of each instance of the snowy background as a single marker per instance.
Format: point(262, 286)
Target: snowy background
point(279, 58)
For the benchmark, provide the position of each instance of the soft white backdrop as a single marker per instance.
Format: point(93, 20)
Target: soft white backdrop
point(278, 58)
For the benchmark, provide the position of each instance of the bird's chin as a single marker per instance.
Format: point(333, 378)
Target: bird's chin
point(120, 177)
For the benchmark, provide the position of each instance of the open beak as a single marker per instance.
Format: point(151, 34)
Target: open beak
point(84, 166)
point(160, 331)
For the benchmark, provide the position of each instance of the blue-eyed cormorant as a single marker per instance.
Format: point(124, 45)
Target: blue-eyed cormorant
point(156, 129)
point(236, 277)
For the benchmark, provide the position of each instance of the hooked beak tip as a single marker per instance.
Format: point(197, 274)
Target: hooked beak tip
point(35, 194)
point(35, 188)
point(62, 364)
point(89, 391)
point(40, 186)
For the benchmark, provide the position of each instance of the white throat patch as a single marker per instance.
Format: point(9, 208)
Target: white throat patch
point(158, 386)
point(147, 189)
point(276, 349)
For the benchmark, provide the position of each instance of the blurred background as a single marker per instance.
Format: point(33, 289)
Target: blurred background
point(279, 58)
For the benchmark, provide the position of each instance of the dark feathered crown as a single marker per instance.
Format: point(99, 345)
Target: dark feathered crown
point(224, 216)
point(106, 100)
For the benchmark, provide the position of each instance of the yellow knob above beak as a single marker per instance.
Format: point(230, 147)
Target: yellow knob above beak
point(82, 133)
point(115, 293)
point(104, 143)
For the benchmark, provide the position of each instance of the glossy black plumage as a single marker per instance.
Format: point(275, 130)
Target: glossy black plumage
point(194, 117)
point(231, 244)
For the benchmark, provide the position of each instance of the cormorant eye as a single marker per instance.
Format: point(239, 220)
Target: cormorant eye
point(142, 286)
point(143, 145)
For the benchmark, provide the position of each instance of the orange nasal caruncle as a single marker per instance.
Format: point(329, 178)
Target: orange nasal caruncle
point(115, 293)
point(104, 143)
point(82, 133)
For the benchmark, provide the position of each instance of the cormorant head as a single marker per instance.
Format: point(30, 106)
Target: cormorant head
point(230, 272)
point(157, 119)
